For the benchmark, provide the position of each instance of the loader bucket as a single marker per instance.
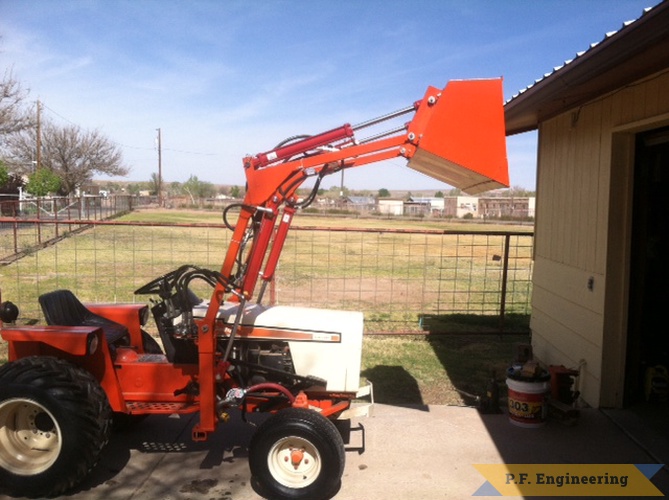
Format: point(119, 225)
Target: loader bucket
point(462, 141)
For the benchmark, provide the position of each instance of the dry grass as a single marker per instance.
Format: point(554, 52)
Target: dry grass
point(391, 276)
point(395, 278)
point(420, 370)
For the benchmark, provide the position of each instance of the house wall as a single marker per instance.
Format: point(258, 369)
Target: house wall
point(582, 228)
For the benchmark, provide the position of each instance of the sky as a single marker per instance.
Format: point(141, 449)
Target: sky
point(224, 79)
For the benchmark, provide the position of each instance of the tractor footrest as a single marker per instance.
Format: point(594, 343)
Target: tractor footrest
point(161, 408)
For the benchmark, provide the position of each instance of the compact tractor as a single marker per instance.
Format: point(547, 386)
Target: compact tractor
point(66, 382)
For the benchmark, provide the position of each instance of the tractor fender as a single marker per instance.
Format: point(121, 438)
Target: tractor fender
point(75, 340)
point(83, 346)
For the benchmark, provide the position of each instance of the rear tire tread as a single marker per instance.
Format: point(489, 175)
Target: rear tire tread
point(84, 412)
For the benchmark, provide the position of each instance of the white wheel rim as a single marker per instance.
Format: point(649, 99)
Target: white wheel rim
point(294, 462)
point(30, 439)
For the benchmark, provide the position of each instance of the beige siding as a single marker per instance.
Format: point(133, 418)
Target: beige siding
point(574, 231)
point(568, 310)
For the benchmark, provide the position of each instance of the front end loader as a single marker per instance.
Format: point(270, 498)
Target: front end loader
point(66, 381)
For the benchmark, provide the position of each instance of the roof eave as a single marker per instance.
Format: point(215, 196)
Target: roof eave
point(638, 50)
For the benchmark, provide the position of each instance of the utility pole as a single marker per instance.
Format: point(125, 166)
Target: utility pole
point(160, 170)
point(38, 144)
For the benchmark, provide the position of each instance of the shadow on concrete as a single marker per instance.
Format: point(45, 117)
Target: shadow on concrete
point(393, 385)
point(647, 423)
point(636, 435)
point(158, 442)
point(592, 439)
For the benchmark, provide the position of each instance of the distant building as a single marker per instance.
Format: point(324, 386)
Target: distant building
point(390, 206)
point(461, 206)
point(360, 203)
point(494, 207)
point(507, 207)
point(417, 206)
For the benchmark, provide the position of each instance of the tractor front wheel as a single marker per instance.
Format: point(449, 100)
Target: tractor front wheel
point(54, 422)
point(297, 454)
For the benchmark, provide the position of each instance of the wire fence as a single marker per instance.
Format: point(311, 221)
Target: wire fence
point(402, 278)
point(31, 223)
point(404, 281)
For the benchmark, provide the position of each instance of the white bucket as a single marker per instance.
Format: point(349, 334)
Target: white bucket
point(528, 402)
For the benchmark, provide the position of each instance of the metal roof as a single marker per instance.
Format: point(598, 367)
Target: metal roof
point(638, 49)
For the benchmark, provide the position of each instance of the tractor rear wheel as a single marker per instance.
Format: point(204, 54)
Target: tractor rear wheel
point(297, 454)
point(54, 422)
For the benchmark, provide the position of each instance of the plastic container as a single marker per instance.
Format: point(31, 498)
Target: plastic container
point(528, 401)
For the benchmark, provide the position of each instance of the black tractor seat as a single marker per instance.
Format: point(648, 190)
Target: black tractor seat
point(63, 308)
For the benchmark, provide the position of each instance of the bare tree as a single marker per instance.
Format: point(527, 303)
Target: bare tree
point(14, 116)
point(72, 154)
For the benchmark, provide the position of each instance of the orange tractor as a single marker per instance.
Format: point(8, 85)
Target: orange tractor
point(66, 381)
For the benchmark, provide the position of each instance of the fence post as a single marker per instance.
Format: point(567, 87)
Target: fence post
point(505, 276)
point(16, 231)
point(55, 217)
point(39, 226)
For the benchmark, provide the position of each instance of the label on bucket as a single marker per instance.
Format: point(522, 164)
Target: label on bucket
point(527, 408)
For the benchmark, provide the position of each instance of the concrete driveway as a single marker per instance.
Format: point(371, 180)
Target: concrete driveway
point(422, 452)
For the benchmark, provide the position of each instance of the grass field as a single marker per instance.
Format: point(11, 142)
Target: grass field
point(340, 221)
point(389, 275)
point(427, 370)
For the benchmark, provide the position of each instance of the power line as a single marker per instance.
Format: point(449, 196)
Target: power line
point(199, 153)
point(132, 147)
point(57, 114)
point(189, 152)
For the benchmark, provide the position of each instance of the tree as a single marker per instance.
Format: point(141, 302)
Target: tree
point(198, 189)
point(439, 194)
point(14, 116)
point(9, 183)
point(384, 193)
point(4, 174)
point(70, 153)
point(175, 189)
point(519, 192)
point(336, 192)
point(236, 192)
point(134, 188)
point(154, 182)
point(43, 182)
point(113, 187)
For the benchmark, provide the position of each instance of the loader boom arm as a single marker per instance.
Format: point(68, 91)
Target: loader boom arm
point(456, 135)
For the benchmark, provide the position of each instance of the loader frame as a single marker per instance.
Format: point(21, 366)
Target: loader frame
point(456, 135)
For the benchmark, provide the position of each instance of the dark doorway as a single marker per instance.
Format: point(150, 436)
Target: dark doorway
point(648, 333)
